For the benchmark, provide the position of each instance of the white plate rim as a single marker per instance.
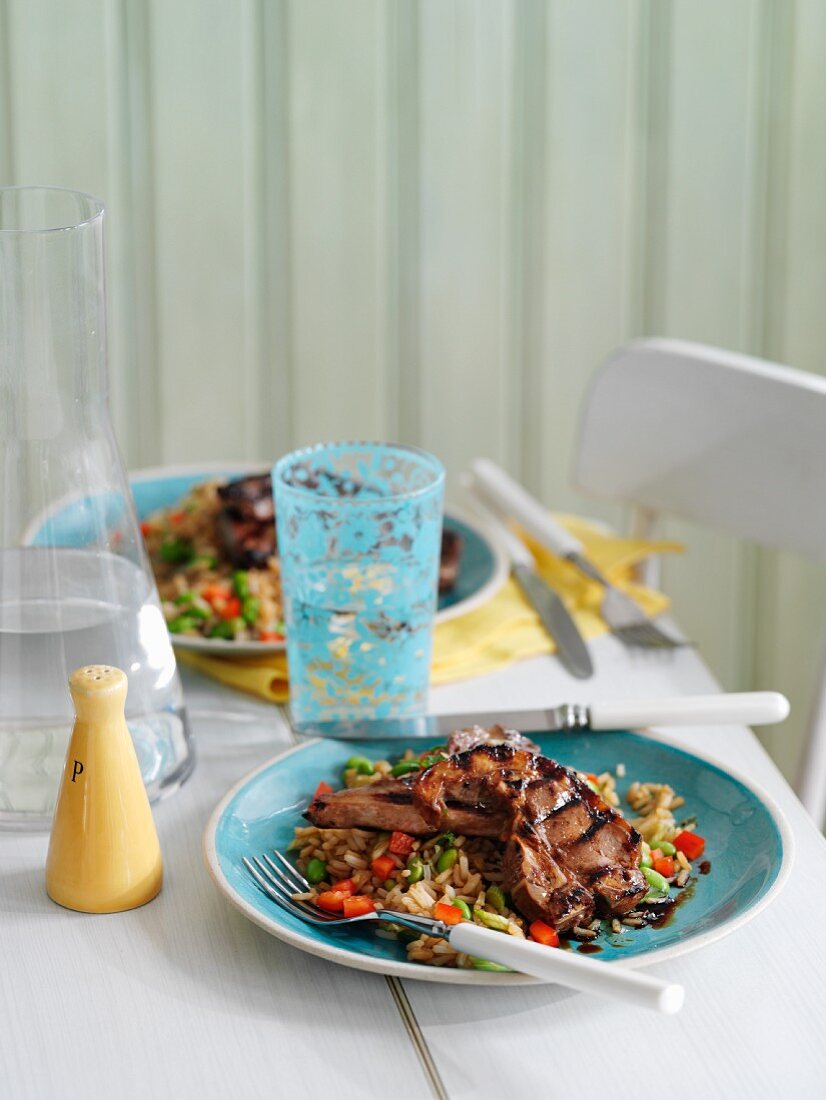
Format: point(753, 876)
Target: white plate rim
point(499, 574)
point(420, 972)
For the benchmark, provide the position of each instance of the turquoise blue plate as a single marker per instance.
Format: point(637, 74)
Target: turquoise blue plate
point(482, 571)
point(748, 845)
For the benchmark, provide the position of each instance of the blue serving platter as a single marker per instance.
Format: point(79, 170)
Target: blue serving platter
point(483, 567)
point(748, 844)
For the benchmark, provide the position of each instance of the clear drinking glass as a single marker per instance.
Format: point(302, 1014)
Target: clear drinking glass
point(75, 583)
point(359, 534)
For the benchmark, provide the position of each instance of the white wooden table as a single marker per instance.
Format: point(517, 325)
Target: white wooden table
point(186, 998)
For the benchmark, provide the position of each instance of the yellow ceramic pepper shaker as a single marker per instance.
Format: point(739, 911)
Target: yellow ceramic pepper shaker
point(104, 854)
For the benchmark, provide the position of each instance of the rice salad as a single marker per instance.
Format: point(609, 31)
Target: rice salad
point(452, 877)
point(202, 593)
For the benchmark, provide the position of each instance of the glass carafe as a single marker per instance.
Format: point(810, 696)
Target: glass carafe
point(75, 583)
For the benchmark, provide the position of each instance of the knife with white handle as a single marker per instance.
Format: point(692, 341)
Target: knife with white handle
point(509, 498)
point(753, 708)
point(548, 604)
point(748, 708)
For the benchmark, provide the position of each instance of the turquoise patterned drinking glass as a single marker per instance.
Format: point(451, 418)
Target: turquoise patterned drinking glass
point(359, 535)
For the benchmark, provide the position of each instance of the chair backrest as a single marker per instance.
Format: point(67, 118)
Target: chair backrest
point(728, 440)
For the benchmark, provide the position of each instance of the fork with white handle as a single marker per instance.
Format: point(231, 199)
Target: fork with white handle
point(280, 880)
point(625, 618)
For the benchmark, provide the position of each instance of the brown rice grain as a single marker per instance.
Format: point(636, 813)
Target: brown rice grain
point(583, 933)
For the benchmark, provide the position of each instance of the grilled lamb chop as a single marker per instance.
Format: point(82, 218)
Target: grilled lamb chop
point(246, 522)
point(249, 498)
point(569, 853)
point(451, 556)
point(388, 804)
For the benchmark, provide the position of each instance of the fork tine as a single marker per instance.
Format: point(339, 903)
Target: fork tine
point(645, 636)
point(276, 876)
point(281, 895)
point(648, 637)
point(272, 882)
point(274, 895)
point(283, 901)
point(285, 893)
point(662, 638)
point(627, 635)
point(294, 871)
point(293, 884)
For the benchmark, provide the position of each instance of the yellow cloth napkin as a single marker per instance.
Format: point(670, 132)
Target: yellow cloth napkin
point(503, 630)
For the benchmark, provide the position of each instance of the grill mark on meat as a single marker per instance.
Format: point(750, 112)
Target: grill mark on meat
point(599, 822)
point(567, 800)
point(396, 798)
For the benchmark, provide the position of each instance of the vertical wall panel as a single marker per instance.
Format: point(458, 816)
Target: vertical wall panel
point(402, 218)
point(59, 120)
point(205, 122)
point(338, 236)
point(60, 131)
point(6, 161)
point(706, 224)
point(586, 219)
point(792, 596)
point(466, 75)
point(133, 346)
point(274, 389)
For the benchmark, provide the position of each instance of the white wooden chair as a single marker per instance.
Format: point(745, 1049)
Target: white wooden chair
point(726, 440)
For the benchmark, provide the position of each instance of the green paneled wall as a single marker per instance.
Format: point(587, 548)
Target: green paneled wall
point(431, 221)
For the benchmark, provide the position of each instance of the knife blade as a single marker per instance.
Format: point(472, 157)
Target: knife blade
point(557, 620)
point(752, 708)
point(553, 613)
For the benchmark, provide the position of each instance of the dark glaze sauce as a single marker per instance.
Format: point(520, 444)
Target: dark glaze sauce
point(705, 867)
point(589, 948)
point(663, 914)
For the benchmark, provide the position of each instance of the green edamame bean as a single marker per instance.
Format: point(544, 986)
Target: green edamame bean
point(416, 869)
point(241, 584)
point(655, 880)
point(361, 764)
point(249, 609)
point(177, 551)
point(446, 860)
point(223, 629)
point(316, 871)
point(667, 848)
point(181, 623)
